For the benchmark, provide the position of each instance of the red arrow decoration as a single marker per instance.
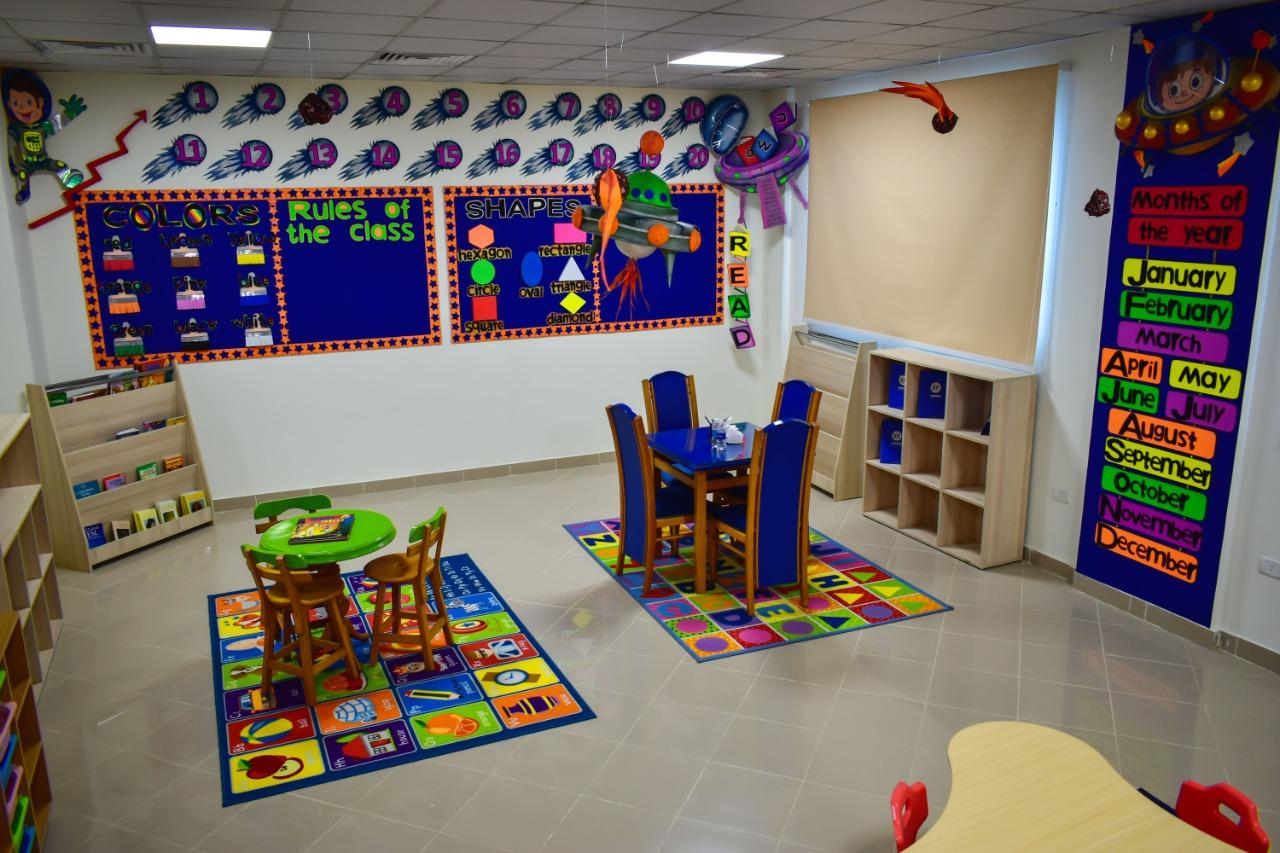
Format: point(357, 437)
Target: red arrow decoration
point(95, 177)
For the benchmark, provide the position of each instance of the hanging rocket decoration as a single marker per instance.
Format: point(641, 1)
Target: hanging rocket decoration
point(319, 107)
point(636, 211)
point(944, 119)
point(762, 164)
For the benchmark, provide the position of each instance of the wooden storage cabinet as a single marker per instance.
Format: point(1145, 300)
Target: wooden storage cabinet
point(956, 489)
point(20, 687)
point(30, 587)
point(838, 369)
point(77, 444)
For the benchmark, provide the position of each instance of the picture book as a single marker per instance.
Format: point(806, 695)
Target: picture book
point(175, 420)
point(145, 518)
point(173, 463)
point(95, 535)
point(192, 502)
point(84, 490)
point(121, 528)
point(322, 528)
point(148, 470)
point(128, 432)
point(113, 481)
point(167, 510)
point(148, 426)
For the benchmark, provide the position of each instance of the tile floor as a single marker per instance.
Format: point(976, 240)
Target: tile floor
point(780, 751)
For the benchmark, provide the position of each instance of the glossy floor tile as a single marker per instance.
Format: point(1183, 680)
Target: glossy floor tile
point(781, 751)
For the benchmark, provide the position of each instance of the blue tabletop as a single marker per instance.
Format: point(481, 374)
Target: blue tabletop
point(691, 450)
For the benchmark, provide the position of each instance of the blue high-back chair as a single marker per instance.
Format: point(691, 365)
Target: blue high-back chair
point(670, 401)
point(770, 532)
point(796, 399)
point(649, 515)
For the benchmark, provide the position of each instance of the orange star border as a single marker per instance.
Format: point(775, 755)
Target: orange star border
point(452, 194)
point(93, 308)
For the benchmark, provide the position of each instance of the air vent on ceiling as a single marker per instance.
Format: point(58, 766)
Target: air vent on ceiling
point(439, 59)
point(92, 48)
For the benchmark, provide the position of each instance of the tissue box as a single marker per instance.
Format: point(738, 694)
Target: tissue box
point(891, 441)
point(931, 400)
point(897, 385)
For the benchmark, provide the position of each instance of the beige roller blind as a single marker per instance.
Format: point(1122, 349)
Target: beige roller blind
point(930, 237)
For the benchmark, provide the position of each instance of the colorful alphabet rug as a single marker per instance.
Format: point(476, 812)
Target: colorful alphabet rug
point(495, 683)
point(846, 593)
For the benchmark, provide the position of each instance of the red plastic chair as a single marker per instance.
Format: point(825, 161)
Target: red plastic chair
point(1201, 807)
point(910, 806)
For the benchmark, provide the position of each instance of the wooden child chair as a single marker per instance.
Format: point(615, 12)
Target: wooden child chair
point(910, 807)
point(288, 591)
point(1201, 806)
point(268, 513)
point(416, 567)
point(797, 399)
point(670, 401)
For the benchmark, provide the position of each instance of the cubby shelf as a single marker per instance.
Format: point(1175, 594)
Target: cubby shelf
point(30, 587)
point(77, 444)
point(962, 484)
point(21, 687)
point(839, 370)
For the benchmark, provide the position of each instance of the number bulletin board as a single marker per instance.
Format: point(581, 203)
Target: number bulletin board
point(1193, 186)
point(224, 274)
point(518, 268)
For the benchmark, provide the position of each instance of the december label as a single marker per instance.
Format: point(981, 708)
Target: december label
point(1149, 553)
point(1162, 463)
point(1219, 279)
point(1155, 493)
point(1186, 233)
point(1180, 310)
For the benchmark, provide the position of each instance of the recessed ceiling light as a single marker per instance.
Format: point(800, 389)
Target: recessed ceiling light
point(210, 36)
point(726, 60)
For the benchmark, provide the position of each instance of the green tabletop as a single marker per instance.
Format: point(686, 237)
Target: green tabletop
point(369, 532)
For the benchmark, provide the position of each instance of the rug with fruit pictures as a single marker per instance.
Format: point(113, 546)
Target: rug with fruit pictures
point(846, 593)
point(495, 683)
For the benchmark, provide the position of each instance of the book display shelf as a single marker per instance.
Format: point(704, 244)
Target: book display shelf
point(959, 482)
point(132, 431)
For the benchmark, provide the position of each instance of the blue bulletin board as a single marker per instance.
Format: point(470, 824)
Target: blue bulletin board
point(518, 268)
point(210, 275)
point(1197, 132)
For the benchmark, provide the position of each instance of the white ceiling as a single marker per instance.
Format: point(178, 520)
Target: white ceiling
point(541, 41)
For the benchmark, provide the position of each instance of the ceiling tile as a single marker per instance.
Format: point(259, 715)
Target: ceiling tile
point(556, 76)
point(1085, 24)
point(871, 65)
point(516, 63)
point(571, 35)
point(286, 54)
point(201, 16)
point(320, 69)
point(193, 54)
point(800, 62)
point(769, 44)
point(599, 66)
point(1007, 18)
point(480, 30)
point(82, 11)
point(327, 22)
point(679, 43)
point(733, 25)
point(855, 50)
point(555, 51)
point(1173, 8)
point(628, 53)
point(908, 11)
point(921, 36)
point(620, 18)
point(517, 11)
point(76, 31)
point(930, 54)
point(1074, 5)
point(412, 8)
point(478, 75)
point(1000, 41)
point(777, 9)
point(678, 5)
point(328, 41)
point(837, 30)
point(411, 44)
point(221, 66)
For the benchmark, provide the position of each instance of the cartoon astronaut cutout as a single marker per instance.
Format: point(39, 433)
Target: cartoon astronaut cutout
point(28, 108)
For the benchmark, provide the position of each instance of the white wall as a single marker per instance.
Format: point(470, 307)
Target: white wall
point(17, 308)
point(262, 424)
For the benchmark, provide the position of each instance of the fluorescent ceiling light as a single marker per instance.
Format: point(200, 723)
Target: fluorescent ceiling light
point(210, 36)
point(726, 60)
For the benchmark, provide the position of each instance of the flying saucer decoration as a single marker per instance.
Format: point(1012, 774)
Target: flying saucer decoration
point(636, 211)
point(1196, 95)
point(762, 164)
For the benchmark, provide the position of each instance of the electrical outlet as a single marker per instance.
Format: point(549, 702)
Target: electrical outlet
point(1269, 566)
point(1060, 495)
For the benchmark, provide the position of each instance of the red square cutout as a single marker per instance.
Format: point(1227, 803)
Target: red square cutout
point(484, 308)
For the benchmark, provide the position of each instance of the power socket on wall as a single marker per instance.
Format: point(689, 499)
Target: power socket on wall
point(1269, 567)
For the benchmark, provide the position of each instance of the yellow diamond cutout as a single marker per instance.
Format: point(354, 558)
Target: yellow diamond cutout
point(572, 302)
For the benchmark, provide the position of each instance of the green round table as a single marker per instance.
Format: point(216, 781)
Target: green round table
point(371, 531)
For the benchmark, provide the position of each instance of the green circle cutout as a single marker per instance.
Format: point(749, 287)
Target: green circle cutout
point(482, 272)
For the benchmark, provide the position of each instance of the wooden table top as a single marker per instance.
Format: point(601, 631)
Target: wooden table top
point(1022, 787)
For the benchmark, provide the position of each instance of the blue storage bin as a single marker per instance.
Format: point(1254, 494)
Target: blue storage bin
point(931, 398)
point(897, 384)
point(891, 441)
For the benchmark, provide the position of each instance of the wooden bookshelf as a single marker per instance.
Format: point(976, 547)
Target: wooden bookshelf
point(838, 369)
point(957, 488)
point(30, 588)
point(20, 688)
point(77, 443)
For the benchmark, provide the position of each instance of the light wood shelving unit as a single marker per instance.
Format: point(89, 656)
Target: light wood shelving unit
point(77, 443)
point(30, 589)
point(838, 369)
point(956, 489)
point(20, 688)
